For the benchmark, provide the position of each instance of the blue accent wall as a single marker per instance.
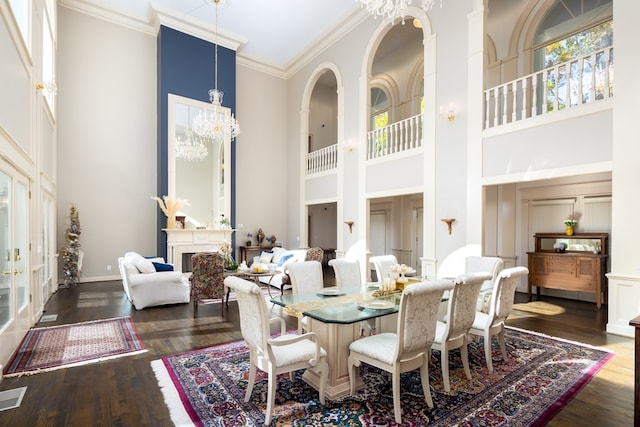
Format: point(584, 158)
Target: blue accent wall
point(186, 67)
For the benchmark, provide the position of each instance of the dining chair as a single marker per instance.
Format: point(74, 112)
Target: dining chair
point(347, 271)
point(274, 355)
point(305, 276)
point(408, 349)
point(382, 265)
point(207, 279)
point(488, 264)
point(487, 325)
point(452, 332)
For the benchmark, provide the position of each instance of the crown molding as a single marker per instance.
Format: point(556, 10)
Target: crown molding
point(93, 8)
point(196, 29)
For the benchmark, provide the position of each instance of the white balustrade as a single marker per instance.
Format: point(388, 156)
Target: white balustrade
point(394, 138)
point(570, 84)
point(322, 160)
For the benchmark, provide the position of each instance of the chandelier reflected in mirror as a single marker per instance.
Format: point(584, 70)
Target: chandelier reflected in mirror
point(393, 8)
point(191, 148)
point(215, 123)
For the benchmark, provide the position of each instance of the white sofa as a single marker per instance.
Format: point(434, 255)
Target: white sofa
point(146, 287)
point(280, 258)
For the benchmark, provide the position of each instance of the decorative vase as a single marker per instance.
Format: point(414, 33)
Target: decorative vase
point(248, 242)
point(569, 230)
point(260, 236)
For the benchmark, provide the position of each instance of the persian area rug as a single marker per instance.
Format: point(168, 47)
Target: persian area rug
point(63, 346)
point(207, 387)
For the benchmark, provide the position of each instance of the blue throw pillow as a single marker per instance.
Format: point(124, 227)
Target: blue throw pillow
point(162, 267)
point(284, 259)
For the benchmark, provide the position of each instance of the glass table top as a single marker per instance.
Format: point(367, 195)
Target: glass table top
point(339, 305)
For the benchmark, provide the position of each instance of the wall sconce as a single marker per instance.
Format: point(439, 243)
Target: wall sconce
point(349, 146)
point(448, 221)
point(450, 114)
point(350, 224)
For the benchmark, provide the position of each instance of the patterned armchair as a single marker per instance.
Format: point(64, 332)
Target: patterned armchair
point(207, 280)
point(313, 254)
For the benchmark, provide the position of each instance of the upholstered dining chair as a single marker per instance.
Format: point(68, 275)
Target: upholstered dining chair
point(408, 349)
point(306, 276)
point(313, 254)
point(487, 325)
point(274, 355)
point(382, 265)
point(461, 312)
point(484, 264)
point(347, 271)
point(207, 280)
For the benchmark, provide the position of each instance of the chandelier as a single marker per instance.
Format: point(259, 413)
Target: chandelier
point(393, 8)
point(191, 148)
point(214, 123)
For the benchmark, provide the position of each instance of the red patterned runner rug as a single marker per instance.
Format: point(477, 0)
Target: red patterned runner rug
point(63, 346)
point(206, 387)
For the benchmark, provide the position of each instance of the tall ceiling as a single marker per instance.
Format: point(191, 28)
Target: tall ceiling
point(274, 33)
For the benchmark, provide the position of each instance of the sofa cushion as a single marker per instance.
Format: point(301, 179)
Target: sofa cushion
point(144, 265)
point(265, 257)
point(159, 266)
point(284, 258)
point(277, 254)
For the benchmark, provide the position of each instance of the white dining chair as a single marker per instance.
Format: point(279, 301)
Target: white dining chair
point(452, 332)
point(347, 271)
point(305, 276)
point(484, 264)
point(408, 349)
point(382, 265)
point(285, 353)
point(487, 325)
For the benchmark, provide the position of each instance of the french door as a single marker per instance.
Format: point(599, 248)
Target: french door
point(14, 286)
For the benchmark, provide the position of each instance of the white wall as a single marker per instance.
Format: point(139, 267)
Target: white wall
point(107, 138)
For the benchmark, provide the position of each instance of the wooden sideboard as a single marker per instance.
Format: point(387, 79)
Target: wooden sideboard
point(581, 267)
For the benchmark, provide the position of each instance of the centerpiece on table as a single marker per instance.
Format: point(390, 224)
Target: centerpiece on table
point(170, 207)
point(570, 223)
point(402, 270)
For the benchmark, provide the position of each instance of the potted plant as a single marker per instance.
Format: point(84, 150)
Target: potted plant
point(570, 223)
point(249, 239)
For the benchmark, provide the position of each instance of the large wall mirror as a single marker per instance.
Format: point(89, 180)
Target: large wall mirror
point(198, 168)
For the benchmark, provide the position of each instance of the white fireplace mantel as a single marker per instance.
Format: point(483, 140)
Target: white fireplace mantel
point(190, 241)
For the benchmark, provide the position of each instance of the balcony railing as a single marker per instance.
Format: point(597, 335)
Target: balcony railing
point(395, 138)
point(573, 83)
point(322, 160)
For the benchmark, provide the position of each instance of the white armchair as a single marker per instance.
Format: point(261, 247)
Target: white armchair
point(409, 348)
point(285, 353)
point(146, 287)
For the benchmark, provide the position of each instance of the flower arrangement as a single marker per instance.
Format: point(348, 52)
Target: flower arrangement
point(570, 222)
point(170, 207)
point(401, 268)
point(229, 262)
point(249, 239)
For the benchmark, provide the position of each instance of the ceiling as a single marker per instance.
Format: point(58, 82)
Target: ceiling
point(273, 33)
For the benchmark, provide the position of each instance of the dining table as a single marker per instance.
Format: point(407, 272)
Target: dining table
point(339, 316)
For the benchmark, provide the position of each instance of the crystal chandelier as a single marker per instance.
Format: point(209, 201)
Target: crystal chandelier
point(190, 149)
point(393, 8)
point(215, 124)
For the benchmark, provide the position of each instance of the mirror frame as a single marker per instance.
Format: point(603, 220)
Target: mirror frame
point(171, 156)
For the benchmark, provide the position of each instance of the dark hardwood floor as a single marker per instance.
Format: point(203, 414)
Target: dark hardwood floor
point(124, 391)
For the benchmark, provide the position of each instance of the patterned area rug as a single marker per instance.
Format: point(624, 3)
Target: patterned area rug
point(543, 374)
point(63, 346)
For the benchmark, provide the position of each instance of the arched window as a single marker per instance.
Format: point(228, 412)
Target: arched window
point(380, 105)
point(573, 29)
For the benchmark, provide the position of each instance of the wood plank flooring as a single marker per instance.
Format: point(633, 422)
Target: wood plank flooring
point(124, 392)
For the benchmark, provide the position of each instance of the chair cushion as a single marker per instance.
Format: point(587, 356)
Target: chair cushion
point(380, 347)
point(159, 266)
point(297, 352)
